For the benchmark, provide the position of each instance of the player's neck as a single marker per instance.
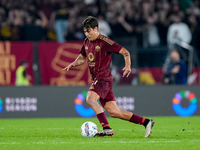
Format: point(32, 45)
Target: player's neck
point(96, 37)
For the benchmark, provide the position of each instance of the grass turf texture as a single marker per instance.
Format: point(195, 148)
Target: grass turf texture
point(168, 133)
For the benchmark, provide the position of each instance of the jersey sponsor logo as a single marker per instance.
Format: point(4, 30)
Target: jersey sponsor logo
point(90, 56)
point(86, 47)
point(91, 64)
point(179, 110)
point(80, 109)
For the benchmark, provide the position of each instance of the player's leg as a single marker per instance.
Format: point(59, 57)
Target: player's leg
point(112, 108)
point(92, 98)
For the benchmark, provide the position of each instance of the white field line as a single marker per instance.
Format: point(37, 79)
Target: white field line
point(106, 142)
point(43, 128)
point(77, 129)
point(49, 128)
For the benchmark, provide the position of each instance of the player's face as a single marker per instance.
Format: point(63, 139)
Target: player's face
point(90, 33)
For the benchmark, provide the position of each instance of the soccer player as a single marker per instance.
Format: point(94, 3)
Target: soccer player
point(97, 50)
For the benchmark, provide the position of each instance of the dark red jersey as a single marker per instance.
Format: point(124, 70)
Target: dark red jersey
point(99, 55)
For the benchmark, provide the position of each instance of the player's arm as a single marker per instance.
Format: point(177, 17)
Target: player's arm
point(127, 68)
point(79, 61)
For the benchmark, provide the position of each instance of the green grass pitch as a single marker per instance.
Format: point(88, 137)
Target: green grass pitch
point(169, 133)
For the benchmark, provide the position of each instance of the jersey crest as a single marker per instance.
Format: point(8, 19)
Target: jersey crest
point(97, 48)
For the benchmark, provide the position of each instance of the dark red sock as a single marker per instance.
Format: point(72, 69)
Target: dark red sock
point(102, 119)
point(137, 119)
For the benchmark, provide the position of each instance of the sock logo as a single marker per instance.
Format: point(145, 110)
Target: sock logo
point(80, 109)
point(1, 106)
point(184, 112)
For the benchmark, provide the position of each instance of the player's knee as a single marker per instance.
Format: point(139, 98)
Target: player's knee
point(90, 101)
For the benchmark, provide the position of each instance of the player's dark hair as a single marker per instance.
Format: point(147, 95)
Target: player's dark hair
point(90, 22)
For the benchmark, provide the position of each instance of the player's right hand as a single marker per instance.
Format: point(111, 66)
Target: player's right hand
point(68, 67)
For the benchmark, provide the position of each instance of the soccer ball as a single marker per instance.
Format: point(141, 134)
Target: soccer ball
point(89, 129)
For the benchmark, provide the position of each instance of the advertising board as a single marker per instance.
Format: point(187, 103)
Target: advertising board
point(47, 101)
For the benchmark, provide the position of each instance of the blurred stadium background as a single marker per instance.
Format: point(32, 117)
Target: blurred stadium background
point(48, 35)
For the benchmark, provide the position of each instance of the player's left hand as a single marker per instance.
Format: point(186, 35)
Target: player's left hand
point(127, 71)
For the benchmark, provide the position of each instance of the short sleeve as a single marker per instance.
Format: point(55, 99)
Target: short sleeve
point(82, 51)
point(111, 46)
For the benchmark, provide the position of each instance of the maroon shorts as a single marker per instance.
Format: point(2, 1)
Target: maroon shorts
point(103, 87)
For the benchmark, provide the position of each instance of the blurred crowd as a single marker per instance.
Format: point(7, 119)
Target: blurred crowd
point(51, 20)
